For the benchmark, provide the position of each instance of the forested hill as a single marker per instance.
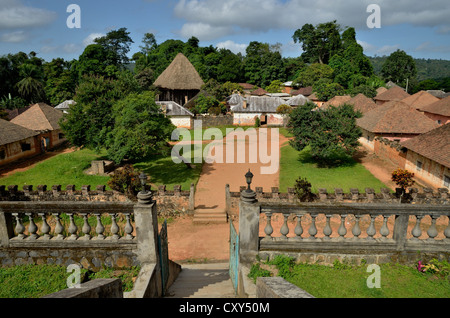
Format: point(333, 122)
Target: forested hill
point(426, 68)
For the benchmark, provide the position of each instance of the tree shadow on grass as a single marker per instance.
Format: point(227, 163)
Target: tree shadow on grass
point(335, 160)
point(163, 170)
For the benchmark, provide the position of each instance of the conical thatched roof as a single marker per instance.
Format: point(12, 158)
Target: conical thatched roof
point(180, 75)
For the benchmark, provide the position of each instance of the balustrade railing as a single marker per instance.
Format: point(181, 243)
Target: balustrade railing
point(347, 226)
point(69, 221)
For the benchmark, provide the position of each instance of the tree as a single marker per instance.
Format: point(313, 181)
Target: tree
point(60, 81)
point(117, 45)
point(319, 43)
point(263, 64)
point(140, 129)
point(31, 86)
point(275, 87)
point(314, 73)
point(149, 42)
point(90, 119)
point(332, 135)
point(399, 68)
point(326, 89)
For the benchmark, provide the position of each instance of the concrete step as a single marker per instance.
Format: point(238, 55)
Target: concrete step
point(205, 216)
point(202, 281)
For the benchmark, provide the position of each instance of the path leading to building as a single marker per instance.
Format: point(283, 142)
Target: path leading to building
point(210, 190)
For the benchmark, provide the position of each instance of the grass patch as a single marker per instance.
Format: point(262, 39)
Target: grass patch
point(351, 174)
point(164, 171)
point(350, 281)
point(35, 281)
point(63, 169)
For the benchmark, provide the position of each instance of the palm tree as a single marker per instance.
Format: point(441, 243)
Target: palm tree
point(30, 87)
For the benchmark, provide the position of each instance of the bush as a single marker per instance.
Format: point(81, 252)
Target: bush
point(257, 122)
point(303, 190)
point(125, 180)
point(403, 178)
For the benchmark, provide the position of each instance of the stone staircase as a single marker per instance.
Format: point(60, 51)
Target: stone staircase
point(202, 281)
point(210, 216)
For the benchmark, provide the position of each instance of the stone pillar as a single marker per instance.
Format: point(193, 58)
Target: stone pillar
point(6, 229)
point(145, 214)
point(249, 211)
point(192, 198)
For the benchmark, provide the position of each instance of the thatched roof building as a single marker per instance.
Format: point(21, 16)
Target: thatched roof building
point(179, 82)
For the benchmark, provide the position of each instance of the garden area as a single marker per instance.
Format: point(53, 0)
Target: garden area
point(429, 280)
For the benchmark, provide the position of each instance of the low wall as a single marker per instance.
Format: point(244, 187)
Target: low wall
point(278, 287)
point(169, 202)
point(274, 196)
point(98, 288)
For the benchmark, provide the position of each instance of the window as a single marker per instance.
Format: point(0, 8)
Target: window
point(26, 147)
point(419, 165)
point(2, 154)
point(61, 136)
point(447, 181)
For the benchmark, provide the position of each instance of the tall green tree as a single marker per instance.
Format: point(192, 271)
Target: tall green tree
point(320, 42)
point(140, 128)
point(399, 68)
point(117, 44)
point(31, 85)
point(91, 119)
point(332, 135)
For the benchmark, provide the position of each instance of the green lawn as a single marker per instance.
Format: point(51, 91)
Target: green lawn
point(294, 164)
point(164, 171)
point(36, 281)
point(68, 169)
point(350, 281)
point(61, 170)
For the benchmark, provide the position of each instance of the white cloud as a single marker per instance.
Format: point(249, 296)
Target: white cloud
point(91, 37)
point(216, 18)
point(14, 15)
point(232, 46)
point(14, 37)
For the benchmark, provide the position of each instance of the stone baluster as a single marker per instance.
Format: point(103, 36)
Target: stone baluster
point(268, 230)
point(59, 229)
point(312, 229)
point(299, 229)
point(342, 230)
point(384, 231)
point(417, 231)
point(114, 227)
point(99, 229)
point(284, 228)
point(128, 227)
point(356, 231)
point(32, 228)
point(20, 228)
point(371, 231)
point(327, 229)
point(447, 230)
point(72, 228)
point(86, 228)
point(432, 231)
point(45, 228)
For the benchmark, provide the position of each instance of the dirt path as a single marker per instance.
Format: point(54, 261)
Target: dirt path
point(189, 241)
point(210, 191)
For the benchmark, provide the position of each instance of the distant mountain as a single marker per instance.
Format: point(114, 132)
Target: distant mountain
point(426, 68)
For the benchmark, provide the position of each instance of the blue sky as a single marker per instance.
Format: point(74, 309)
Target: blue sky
point(420, 28)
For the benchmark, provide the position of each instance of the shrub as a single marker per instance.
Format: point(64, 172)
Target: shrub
point(403, 178)
point(257, 122)
point(125, 180)
point(303, 190)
